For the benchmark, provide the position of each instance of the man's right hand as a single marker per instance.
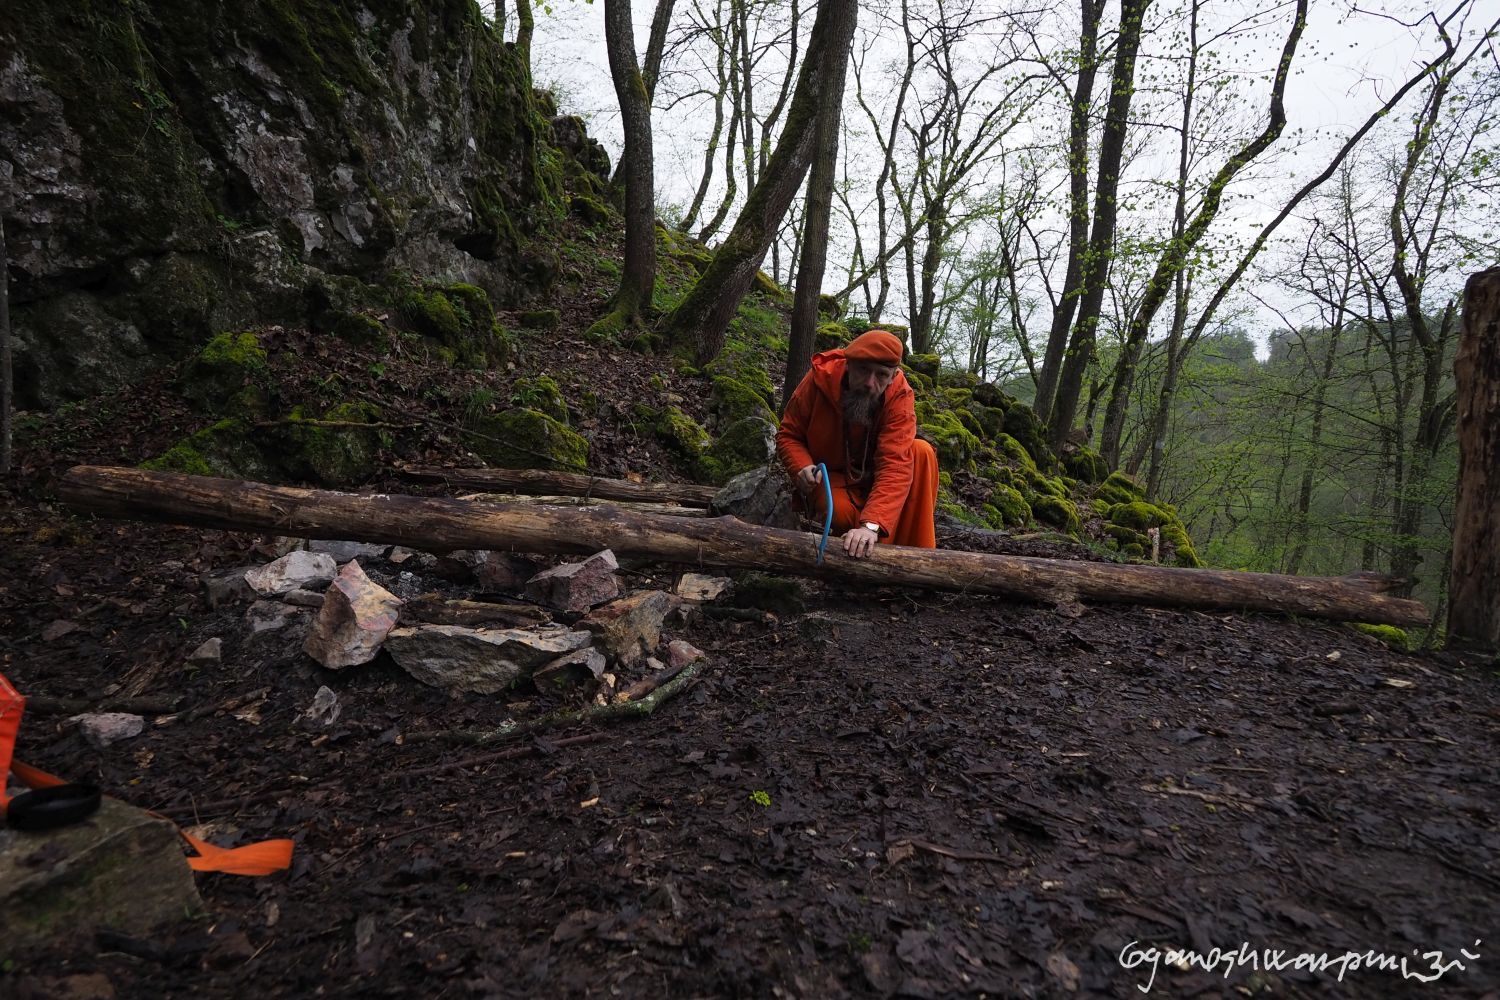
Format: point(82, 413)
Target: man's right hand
point(808, 479)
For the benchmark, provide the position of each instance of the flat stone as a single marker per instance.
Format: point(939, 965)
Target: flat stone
point(354, 620)
point(122, 868)
point(567, 672)
point(761, 496)
point(303, 598)
point(681, 653)
point(100, 729)
point(629, 629)
point(273, 616)
point(577, 586)
point(227, 586)
point(698, 587)
point(211, 651)
point(482, 661)
point(342, 552)
point(297, 570)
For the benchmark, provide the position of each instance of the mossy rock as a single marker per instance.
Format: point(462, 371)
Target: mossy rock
point(1050, 486)
point(540, 392)
point(953, 378)
point(1138, 515)
point(1119, 488)
point(767, 285)
point(229, 449)
point(971, 423)
point(226, 365)
point(955, 398)
point(991, 420)
point(989, 394)
point(1011, 505)
point(830, 307)
point(361, 330)
point(924, 364)
point(744, 363)
point(1176, 535)
point(524, 438)
point(960, 513)
point(1395, 638)
point(1133, 550)
point(745, 444)
point(778, 594)
point(540, 319)
point(337, 456)
point(731, 401)
point(956, 445)
point(922, 384)
point(1086, 464)
point(1057, 512)
point(676, 430)
point(1021, 423)
point(1100, 507)
point(431, 314)
point(590, 211)
point(831, 336)
point(1124, 535)
point(1015, 452)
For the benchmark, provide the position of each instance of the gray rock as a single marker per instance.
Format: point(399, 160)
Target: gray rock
point(286, 544)
point(629, 629)
point(122, 869)
point(698, 587)
point(761, 496)
point(411, 559)
point(324, 710)
point(100, 729)
point(567, 672)
point(273, 616)
point(227, 586)
point(303, 598)
point(355, 618)
point(342, 552)
point(482, 661)
point(297, 570)
point(211, 651)
point(577, 586)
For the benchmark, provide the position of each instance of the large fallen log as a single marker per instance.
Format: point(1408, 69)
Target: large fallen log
point(540, 482)
point(440, 523)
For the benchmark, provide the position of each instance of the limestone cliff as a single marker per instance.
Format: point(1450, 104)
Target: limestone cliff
point(177, 168)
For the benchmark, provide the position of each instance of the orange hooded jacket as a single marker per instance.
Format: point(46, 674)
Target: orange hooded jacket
point(812, 431)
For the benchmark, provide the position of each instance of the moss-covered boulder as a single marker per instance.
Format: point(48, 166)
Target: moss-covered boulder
point(230, 449)
point(540, 392)
point(924, 364)
point(459, 321)
point(1021, 423)
point(731, 400)
point(1174, 534)
point(989, 394)
point(954, 378)
point(1395, 638)
point(1014, 452)
point(540, 319)
point(222, 369)
point(332, 454)
point(830, 336)
point(1085, 464)
point(361, 330)
point(675, 429)
point(991, 420)
point(1119, 488)
point(524, 438)
point(1056, 511)
point(1138, 515)
point(956, 445)
point(829, 307)
point(1010, 505)
point(745, 444)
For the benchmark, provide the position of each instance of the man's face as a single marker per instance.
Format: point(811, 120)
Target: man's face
point(870, 378)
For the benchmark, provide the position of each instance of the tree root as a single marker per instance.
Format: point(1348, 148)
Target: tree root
point(511, 730)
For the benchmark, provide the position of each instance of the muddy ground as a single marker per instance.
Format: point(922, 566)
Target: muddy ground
point(888, 793)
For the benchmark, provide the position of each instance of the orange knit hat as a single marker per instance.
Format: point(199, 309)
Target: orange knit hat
point(875, 345)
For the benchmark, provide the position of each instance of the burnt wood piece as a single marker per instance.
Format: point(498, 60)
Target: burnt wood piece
point(439, 523)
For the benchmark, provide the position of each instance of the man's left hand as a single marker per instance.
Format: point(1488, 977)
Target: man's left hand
point(859, 541)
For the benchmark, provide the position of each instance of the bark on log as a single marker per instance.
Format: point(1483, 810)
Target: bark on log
point(427, 522)
point(636, 506)
point(539, 482)
point(1474, 581)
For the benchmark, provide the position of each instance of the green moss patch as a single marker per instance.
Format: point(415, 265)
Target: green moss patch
point(1395, 638)
point(1119, 488)
point(1057, 512)
point(226, 365)
point(527, 439)
point(540, 392)
point(229, 448)
point(1086, 464)
point(956, 445)
point(337, 456)
point(745, 444)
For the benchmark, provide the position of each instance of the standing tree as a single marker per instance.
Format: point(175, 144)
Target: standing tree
point(639, 275)
point(702, 318)
point(1474, 588)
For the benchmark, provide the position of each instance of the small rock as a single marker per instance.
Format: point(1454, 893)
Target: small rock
point(283, 544)
point(342, 552)
point(294, 571)
point(325, 708)
point(227, 586)
point(489, 570)
point(568, 671)
point(303, 598)
point(100, 729)
point(698, 587)
point(482, 661)
point(56, 630)
point(355, 618)
point(761, 496)
point(680, 653)
point(211, 651)
point(629, 629)
point(419, 561)
point(267, 616)
point(577, 586)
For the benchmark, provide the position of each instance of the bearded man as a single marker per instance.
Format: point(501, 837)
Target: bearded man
point(855, 412)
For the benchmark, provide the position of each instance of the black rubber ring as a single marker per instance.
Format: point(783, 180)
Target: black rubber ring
point(50, 808)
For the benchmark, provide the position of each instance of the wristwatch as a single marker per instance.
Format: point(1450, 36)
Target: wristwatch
point(872, 526)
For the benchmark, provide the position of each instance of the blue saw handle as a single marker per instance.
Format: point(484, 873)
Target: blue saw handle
point(828, 511)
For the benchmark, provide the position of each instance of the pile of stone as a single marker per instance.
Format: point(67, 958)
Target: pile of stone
point(576, 627)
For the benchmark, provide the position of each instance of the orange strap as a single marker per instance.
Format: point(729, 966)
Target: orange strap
point(260, 858)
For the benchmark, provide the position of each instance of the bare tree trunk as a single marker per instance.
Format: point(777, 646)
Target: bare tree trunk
point(814, 245)
point(639, 277)
point(656, 45)
point(731, 187)
point(1300, 525)
point(1095, 273)
point(703, 316)
point(1474, 580)
point(525, 28)
point(713, 139)
point(1078, 206)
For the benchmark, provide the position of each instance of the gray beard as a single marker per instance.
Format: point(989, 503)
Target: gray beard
point(859, 408)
